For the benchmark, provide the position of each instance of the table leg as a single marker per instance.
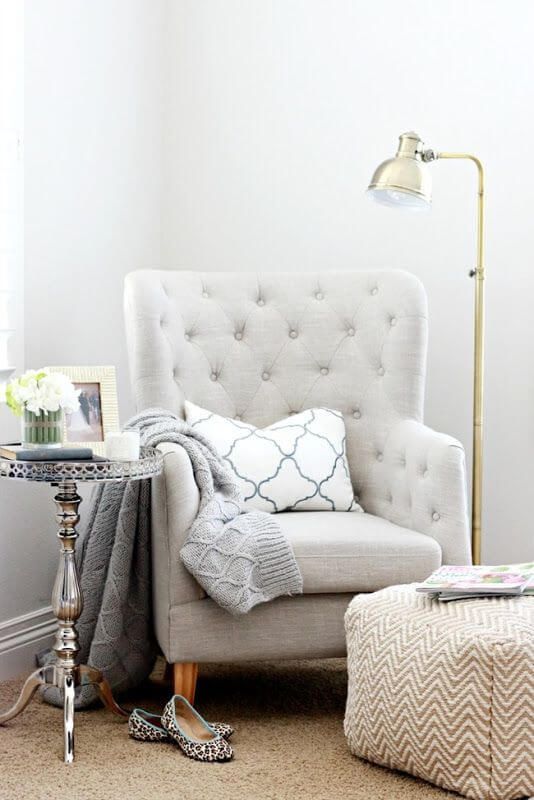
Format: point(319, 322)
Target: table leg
point(68, 717)
point(67, 604)
point(41, 677)
point(90, 675)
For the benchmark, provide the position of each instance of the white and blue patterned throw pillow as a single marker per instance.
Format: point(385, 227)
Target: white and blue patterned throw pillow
point(297, 464)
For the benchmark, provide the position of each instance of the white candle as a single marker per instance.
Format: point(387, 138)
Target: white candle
point(122, 446)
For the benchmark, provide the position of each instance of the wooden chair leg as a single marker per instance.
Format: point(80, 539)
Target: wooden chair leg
point(185, 680)
point(162, 673)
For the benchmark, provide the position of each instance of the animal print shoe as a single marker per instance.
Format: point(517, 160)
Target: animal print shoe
point(225, 730)
point(192, 733)
point(146, 727)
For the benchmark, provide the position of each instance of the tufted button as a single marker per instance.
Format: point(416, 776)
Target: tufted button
point(379, 456)
point(213, 376)
point(260, 301)
point(187, 337)
point(356, 413)
point(238, 335)
point(425, 473)
point(205, 294)
point(435, 516)
point(265, 376)
point(374, 290)
point(402, 461)
point(351, 332)
point(237, 417)
point(319, 296)
point(293, 334)
point(381, 370)
point(324, 370)
point(393, 321)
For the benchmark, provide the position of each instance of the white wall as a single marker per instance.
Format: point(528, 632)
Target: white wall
point(11, 186)
point(240, 134)
point(279, 112)
point(93, 173)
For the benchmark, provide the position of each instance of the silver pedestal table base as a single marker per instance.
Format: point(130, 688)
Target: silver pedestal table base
point(67, 602)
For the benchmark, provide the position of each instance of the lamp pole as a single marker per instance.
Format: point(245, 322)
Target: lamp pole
point(478, 388)
point(404, 180)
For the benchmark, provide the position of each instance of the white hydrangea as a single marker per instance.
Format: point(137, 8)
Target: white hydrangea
point(57, 391)
point(43, 391)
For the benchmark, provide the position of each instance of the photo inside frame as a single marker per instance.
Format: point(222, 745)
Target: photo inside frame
point(85, 424)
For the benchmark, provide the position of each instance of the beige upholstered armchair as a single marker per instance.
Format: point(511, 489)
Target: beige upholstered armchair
point(260, 347)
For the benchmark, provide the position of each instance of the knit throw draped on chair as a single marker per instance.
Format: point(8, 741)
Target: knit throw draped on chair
point(239, 558)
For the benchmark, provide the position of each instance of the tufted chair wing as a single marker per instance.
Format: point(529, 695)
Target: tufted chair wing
point(259, 347)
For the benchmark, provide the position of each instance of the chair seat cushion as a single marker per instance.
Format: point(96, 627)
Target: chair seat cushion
point(356, 552)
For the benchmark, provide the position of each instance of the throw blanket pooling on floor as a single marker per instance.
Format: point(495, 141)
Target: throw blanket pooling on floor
point(239, 558)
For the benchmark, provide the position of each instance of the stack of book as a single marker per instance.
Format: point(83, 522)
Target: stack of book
point(461, 583)
point(20, 452)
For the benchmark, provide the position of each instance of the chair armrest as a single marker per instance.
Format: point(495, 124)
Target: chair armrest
point(175, 501)
point(426, 487)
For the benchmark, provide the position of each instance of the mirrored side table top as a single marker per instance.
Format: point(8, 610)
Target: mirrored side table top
point(67, 601)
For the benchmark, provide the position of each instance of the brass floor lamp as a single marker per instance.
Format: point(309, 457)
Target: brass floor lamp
point(405, 180)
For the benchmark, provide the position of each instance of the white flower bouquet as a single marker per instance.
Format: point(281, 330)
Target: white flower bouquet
point(40, 398)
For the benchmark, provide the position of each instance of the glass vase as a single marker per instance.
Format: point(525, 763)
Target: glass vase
point(45, 430)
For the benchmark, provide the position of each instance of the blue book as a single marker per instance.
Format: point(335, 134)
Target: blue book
point(19, 453)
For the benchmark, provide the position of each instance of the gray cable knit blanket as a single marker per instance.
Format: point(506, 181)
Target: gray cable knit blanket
point(239, 558)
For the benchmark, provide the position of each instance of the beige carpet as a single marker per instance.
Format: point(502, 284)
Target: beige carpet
point(288, 743)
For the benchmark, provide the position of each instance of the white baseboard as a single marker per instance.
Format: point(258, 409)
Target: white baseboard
point(21, 638)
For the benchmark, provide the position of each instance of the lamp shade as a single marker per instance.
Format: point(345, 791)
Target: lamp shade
point(404, 180)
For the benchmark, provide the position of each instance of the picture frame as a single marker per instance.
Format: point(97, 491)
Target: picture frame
point(98, 414)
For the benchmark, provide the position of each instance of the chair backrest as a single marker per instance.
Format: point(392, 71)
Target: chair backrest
point(262, 346)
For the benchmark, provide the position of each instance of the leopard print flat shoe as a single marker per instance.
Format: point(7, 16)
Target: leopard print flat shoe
point(196, 738)
point(146, 727)
point(225, 730)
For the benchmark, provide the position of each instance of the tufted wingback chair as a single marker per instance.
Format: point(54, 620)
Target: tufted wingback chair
point(259, 347)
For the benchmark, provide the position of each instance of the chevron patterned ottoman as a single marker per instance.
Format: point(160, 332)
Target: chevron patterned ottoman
point(444, 691)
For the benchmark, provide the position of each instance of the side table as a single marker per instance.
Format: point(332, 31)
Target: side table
point(67, 601)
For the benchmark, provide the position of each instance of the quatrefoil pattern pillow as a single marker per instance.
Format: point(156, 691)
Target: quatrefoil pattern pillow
point(297, 464)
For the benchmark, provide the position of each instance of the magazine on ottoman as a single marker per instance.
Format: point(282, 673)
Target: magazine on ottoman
point(459, 583)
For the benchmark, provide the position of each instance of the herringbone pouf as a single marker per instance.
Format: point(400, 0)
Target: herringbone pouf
point(444, 691)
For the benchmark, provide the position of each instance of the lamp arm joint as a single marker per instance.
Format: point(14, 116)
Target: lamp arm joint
point(465, 156)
